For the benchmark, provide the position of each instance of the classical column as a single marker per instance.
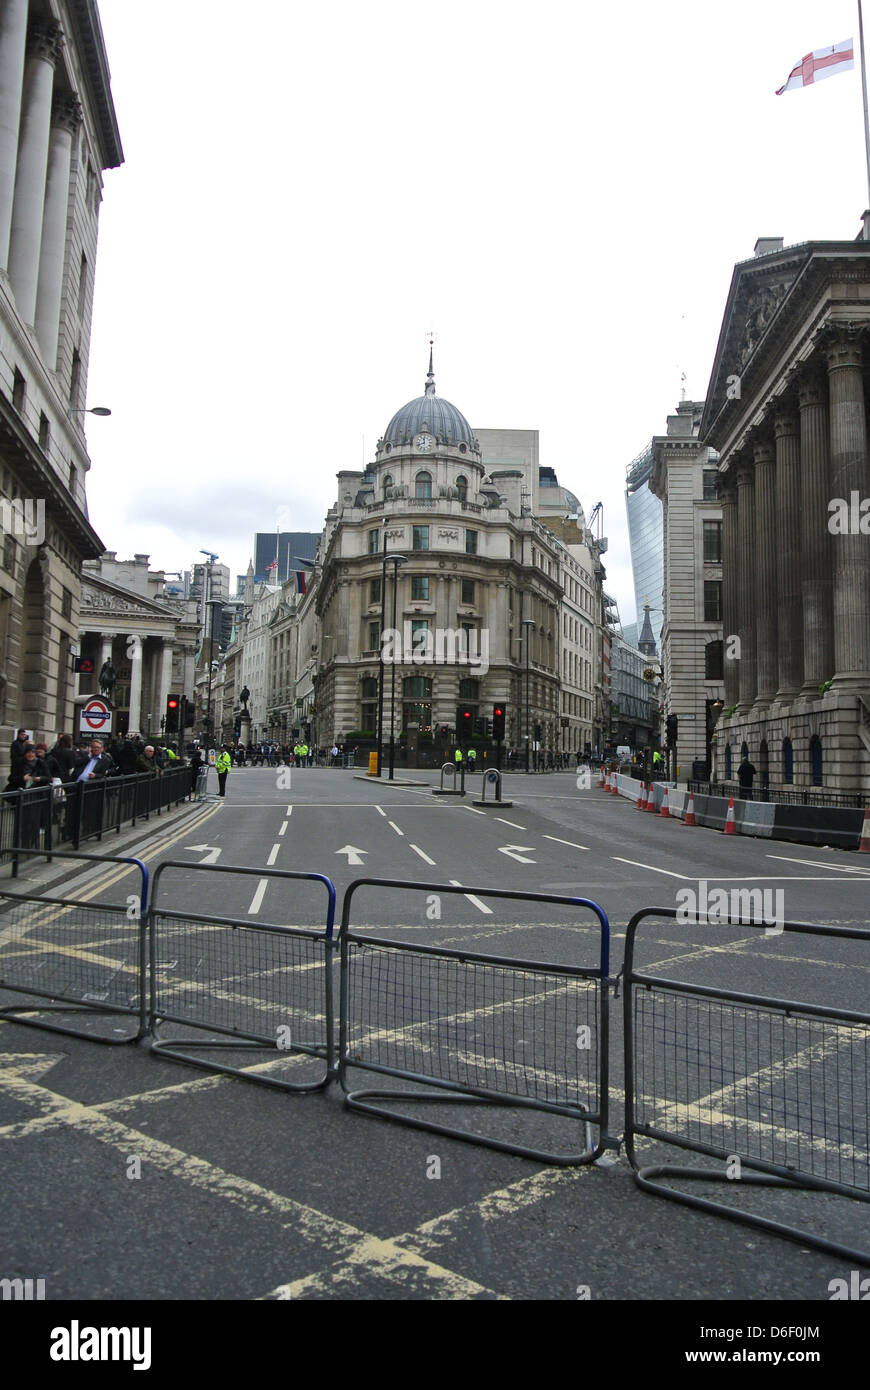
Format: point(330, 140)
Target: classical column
point(65, 122)
point(13, 43)
point(730, 614)
point(850, 475)
point(788, 552)
point(43, 49)
point(746, 591)
point(135, 713)
point(816, 585)
point(164, 688)
point(764, 572)
point(106, 651)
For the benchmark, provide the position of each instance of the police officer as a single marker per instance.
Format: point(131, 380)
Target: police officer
point(457, 757)
point(472, 759)
point(223, 763)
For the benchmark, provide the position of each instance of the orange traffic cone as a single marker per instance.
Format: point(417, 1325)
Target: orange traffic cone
point(614, 785)
point(690, 812)
point(864, 843)
point(601, 777)
point(641, 799)
point(730, 823)
point(651, 797)
point(664, 811)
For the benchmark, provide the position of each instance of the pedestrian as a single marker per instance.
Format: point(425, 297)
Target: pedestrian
point(93, 764)
point(745, 775)
point(457, 757)
point(147, 762)
point(195, 765)
point(19, 745)
point(472, 759)
point(335, 755)
point(222, 766)
point(64, 755)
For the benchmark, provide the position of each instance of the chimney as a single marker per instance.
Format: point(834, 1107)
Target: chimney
point(766, 245)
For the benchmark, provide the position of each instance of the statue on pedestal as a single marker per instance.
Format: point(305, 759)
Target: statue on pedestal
point(107, 679)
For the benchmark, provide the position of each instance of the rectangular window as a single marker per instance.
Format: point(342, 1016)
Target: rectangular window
point(83, 284)
point(374, 636)
point(44, 432)
point(375, 591)
point(711, 491)
point(713, 661)
point(73, 478)
point(468, 591)
point(712, 542)
point(9, 554)
point(374, 541)
point(420, 588)
point(712, 601)
point(66, 604)
point(19, 391)
point(75, 379)
point(421, 538)
point(471, 542)
point(420, 638)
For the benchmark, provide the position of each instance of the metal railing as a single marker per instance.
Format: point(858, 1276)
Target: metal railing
point(42, 818)
point(804, 796)
point(774, 1088)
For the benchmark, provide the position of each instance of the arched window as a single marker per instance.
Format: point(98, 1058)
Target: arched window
point(787, 761)
point(744, 752)
point(423, 485)
point(815, 761)
point(727, 762)
point(462, 487)
point(764, 763)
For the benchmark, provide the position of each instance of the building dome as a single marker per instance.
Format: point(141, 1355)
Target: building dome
point(432, 414)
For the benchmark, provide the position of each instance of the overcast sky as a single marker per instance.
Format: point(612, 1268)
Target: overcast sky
point(559, 191)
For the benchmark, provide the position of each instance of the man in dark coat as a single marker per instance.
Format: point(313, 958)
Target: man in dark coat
point(745, 774)
point(93, 764)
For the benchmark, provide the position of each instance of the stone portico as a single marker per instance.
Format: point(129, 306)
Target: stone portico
point(787, 413)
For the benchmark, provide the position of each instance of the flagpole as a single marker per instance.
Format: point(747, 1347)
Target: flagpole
point(864, 96)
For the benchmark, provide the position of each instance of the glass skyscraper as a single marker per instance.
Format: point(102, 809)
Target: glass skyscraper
point(646, 536)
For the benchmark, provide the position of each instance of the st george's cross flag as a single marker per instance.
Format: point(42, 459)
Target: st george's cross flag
point(825, 62)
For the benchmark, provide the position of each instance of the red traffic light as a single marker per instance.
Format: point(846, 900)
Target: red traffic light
point(498, 711)
point(172, 703)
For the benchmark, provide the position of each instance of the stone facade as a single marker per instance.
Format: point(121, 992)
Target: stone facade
point(786, 410)
point(57, 133)
point(684, 478)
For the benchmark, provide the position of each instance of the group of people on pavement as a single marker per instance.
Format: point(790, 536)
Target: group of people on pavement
point(300, 754)
point(37, 765)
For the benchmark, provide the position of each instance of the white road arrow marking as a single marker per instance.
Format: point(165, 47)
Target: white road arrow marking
point(212, 856)
point(515, 852)
point(354, 855)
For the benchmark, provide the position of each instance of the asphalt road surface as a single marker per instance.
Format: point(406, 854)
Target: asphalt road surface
point(127, 1174)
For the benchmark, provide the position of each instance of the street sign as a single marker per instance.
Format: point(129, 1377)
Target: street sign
point(96, 718)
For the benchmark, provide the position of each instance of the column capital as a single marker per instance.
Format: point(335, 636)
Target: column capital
point(45, 40)
point(764, 451)
point(66, 112)
point(812, 386)
point(786, 422)
point(745, 473)
point(844, 349)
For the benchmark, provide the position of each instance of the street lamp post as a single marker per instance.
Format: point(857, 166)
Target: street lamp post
point(528, 624)
point(381, 654)
point(395, 561)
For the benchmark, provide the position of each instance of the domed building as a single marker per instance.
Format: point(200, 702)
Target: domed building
point(430, 558)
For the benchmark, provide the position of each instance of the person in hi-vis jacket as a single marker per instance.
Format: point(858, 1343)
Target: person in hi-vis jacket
point(223, 763)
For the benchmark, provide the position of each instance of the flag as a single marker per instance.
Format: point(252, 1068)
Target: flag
point(825, 62)
point(301, 587)
point(273, 566)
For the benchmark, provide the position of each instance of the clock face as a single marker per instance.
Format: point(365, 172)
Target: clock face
point(424, 443)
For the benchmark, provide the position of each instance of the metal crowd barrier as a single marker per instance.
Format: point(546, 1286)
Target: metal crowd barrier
point(476, 1028)
point(88, 958)
point(258, 986)
point(780, 1087)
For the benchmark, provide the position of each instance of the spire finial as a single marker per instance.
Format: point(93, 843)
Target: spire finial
point(430, 379)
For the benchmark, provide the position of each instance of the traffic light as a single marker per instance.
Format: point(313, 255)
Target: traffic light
point(537, 733)
point(445, 731)
point(487, 727)
point(498, 714)
point(671, 726)
point(189, 713)
point(172, 703)
point(480, 726)
point(464, 721)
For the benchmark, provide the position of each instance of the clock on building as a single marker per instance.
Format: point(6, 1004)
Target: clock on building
point(424, 443)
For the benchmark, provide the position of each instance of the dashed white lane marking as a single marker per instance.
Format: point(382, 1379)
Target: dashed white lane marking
point(638, 865)
point(565, 842)
point(481, 907)
point(417, 850)
point(273, 854)
point(514, 823)
point(290, 810)
point(396, 828)
point(257, 900)
point(381, 810)
point(283, 829)
point(473, 811)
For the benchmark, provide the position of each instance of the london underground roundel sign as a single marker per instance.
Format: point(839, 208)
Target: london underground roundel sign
point(96, 717)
